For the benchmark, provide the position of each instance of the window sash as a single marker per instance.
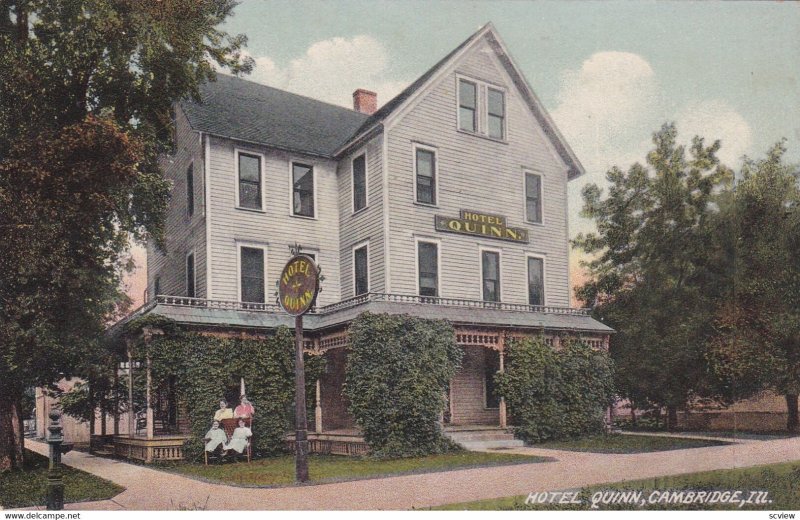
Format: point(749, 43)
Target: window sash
point(359, 183)
point(190, 190)
point(490, 267)
point(426, 176)
point(428, 267)
point(535, 281)
point(533, 197)
point(252, 274)
point(190, 279)
point(302, 190)
point(467, 105)
point(249, 181)
point(361, 270)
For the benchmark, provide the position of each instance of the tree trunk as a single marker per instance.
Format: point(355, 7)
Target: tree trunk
point(11, 430)
point(633, 416)
point(672, 418)
point(791, 416)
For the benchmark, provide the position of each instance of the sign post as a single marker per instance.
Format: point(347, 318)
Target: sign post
point(297, 291)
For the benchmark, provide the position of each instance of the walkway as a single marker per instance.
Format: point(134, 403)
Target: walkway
point(152, 489)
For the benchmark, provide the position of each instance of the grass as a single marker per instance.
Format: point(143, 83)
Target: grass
point(276, 471)
point(782, 481)
point(28, 487)
point(618, 443)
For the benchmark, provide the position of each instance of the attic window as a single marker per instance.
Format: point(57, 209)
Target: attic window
point(481, 108)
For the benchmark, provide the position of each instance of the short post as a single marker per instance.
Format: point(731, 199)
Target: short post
point(318, 409)
point(55, 478)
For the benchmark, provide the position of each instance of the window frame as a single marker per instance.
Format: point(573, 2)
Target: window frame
point(249, 245)
point(190, 190)
point(543, 258)
point(438, 244)
point(191, 255)
point(360, 153)
point(262, 183)
point(476, 110)
point(488, 249)
point(435, 151)
point(525, 173)
point(313, 165)
point(361, 245)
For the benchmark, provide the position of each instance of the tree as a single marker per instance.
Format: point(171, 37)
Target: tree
point(86, 88)
point(649, 276)
point(757, 340)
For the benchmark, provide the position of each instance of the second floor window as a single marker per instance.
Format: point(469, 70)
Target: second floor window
point(533, 197)
point(490, 266)
point(302, 190)
point(425, 161)
point(496, 113)
point(467, 105)
point(252, 274)
point(190, 190)
point(428, 266)
point(249, 181)
point(535, 281)
point(190, 277)
point(361, 270)
point(359, 183)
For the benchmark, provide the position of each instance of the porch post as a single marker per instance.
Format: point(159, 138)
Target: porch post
point(131, 429)
point(318, 410)
point(116, 398)
point(502, 406)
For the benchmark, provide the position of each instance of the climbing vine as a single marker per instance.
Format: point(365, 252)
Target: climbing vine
point(398, 368)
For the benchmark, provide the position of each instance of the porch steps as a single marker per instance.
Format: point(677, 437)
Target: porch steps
point(483, 438)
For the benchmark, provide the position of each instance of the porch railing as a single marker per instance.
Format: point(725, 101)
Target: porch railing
point(183, 301)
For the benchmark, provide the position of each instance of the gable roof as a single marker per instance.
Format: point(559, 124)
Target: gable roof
point(247, 111)
point(488, 31)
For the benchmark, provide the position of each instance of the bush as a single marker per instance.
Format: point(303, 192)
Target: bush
point(398, 369)
point(555, 394)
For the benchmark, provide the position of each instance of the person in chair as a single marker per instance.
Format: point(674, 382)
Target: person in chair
point(239, 439)
point(215, 437)
point(245, 409)
point(224, 412)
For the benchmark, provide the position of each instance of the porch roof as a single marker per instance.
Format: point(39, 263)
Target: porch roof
point(216, 313)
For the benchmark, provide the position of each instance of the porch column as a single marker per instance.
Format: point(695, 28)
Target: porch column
point(131, 418)
point(502, 406)
point(318, 410)
point(116, 398)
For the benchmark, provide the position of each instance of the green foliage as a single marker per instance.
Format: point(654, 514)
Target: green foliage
point(652, 275)
point(555, 394)
point(209, 368)
point(398, 368)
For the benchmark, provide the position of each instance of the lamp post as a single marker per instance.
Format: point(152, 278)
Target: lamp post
point(55, 477)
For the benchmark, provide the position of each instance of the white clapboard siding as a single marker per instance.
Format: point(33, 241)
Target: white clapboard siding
point(182, 233)
point(274, 228)
point(367, 224)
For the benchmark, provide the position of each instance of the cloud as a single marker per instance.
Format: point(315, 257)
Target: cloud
point(330, 70)
point(715, 119)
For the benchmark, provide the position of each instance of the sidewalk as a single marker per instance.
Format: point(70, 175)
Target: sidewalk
point(152, 489)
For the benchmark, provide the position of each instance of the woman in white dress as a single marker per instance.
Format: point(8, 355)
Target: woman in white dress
point(215, 437)
point(239, 439)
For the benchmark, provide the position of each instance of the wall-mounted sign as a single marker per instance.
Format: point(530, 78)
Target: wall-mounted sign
point(481, 224)
point(298, 285)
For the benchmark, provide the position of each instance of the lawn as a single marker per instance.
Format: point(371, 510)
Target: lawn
point(782, 481)
point(29, 487)
point(275, 471)
point(618, 443)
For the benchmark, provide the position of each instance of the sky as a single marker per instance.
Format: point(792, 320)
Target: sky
point(609, 73)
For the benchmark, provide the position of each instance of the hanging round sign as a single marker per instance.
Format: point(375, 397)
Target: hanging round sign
point(298, 285)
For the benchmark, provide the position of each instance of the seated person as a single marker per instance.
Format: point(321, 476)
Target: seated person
point(239, 439)
point(215, 437)
point(224, 412)
point(245, 409)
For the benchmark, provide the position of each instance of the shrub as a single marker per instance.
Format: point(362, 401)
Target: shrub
point(398, 368)
point(555, 394)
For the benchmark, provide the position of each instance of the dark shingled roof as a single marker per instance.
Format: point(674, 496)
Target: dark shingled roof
point(247, 111)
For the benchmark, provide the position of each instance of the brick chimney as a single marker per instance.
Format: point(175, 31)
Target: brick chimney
point(365, 101)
